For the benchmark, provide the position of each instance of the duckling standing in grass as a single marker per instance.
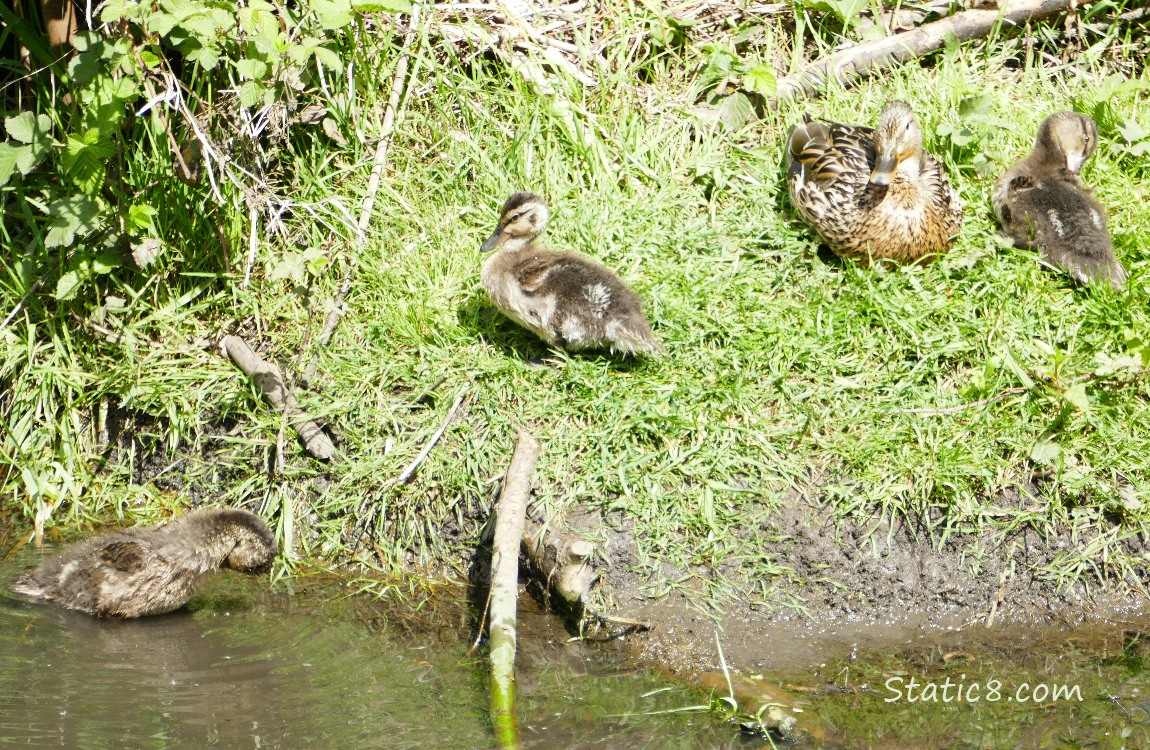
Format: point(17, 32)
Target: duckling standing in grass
point(139, 572)
point(567, 299)
point(1041, 201)
point(872, 194)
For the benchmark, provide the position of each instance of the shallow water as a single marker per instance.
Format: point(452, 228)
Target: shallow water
point(259, 668)
point(254, 666)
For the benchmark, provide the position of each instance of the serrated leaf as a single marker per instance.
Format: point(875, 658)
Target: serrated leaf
point(329, 59)
point(332, 14)
point(1076, 394)
point(106, 262)
point(761, 80)
point(70, 283)
point(140, 217)
point(29, 128)
point(1132, 131)
point(736, 111)
point(9, 156)
point(251, 93)
point(252, 70)
point(975, 105)
point(85, 160)
point(206, 57)
point(76, 214)
point(1045, 452)
point(388, 6)
point(289, 266)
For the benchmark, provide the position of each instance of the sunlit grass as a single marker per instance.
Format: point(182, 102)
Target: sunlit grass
point(786, 369)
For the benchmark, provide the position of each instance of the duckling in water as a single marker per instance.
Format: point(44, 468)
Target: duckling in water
point(567, 299)
point(1041, 201)
point(872, 193)
point(139, 572)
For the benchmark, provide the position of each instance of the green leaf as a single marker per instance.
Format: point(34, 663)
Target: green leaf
point(140, 218)
point(332, 14)
point(389, 6)
point(736, 111)
point(252, 69)
point(1076, 395)
point(1045, 452)
point(761, 80)
point(290, 266)
point(29, 128)
point(76, 214)
point(70, 282)
point(975, 105)
point(85, 160)
point(106, 262)
point(329, 59)
point(9, 156)
point(251, 93)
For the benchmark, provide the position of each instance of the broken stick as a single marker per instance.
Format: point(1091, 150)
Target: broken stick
point(870, 57)
point(271, 384)
point(510, 513)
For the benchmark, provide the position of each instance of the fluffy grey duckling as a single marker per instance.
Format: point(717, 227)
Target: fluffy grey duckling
point(1041, 201)
point(567, 299)
point(150, 571)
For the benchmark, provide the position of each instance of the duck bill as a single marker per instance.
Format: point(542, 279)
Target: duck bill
point(497, 238)
point(1074, 162)
point(884, 168)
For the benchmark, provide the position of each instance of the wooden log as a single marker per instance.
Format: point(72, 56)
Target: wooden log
point(562, 562)
point(267, 378)
point(510, 514)
point(869, 57)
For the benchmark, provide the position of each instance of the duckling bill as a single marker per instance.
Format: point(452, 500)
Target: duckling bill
point(872, 193)
point(140, 572)
point(1041, 201)
point(567, 299)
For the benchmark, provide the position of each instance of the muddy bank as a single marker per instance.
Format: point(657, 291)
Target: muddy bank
point(863, 584)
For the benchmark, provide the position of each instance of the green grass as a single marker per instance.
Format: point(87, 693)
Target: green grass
point(783, 370)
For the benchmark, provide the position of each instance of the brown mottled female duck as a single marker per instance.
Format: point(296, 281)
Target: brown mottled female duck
point(873, 194)
point(1041, 201)
point(140, 572)
point(567, 299)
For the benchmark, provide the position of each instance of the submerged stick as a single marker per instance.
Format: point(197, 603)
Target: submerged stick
point(873, 56)
point(271, 384)
point(510, 513)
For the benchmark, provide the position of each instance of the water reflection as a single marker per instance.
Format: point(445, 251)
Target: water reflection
point(253, 668)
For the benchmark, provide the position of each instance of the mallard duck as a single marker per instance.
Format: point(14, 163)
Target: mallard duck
point(567, 299)
point(872, 193)
point(139, 572)
point(1041, 201)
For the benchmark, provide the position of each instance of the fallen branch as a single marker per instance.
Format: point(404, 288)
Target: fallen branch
point(563, 561)
point(869, 57)
point(510, 513)
point(271, 384)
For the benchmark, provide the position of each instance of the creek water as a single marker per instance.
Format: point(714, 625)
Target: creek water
point(303, 665)
point(253, 666)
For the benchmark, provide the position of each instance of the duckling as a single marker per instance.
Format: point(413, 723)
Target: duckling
point(140, 572)
point(567, 299)
point(872, 194)
point(1041, 201)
